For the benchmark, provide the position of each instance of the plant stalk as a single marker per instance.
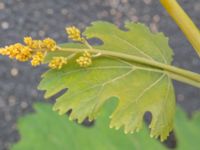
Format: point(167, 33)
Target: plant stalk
point(184, 22)
point(176, 73)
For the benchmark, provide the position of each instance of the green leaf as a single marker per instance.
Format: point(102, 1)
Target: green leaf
point(139, 88)
point(187, 130)
point(46, 130)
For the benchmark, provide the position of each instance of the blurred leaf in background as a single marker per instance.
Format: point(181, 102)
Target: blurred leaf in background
point(46, 130)
point(187, 130)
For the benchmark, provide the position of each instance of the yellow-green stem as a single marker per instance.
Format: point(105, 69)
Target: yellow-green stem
point(184, 22)
point(174, 72)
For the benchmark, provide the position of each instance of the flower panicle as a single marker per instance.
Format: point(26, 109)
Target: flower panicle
point(32, 50)
point(36, 50)
point(17, 51)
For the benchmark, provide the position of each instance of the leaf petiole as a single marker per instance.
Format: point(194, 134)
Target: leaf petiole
point(176, 73)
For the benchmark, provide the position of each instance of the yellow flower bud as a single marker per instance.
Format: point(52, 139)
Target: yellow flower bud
point(85, 60)
point(3, 51)
point(57, 62)
point(37, 44)
point(74, 33)
point(37, 59)
point(50, 44)
point(28, 41)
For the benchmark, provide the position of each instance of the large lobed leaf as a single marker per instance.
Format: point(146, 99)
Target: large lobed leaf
point(46, 130)
point(137, 87)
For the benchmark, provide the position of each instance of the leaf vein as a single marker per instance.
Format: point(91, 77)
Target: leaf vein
point(149, 87)
point(133, 46)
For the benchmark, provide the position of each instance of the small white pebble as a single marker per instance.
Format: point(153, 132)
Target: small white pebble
point(5, 25)
point(12, 100)
point(14, 72)
point(156, 18)
point(102, 14)
point(180, 97)
point(113, 11)
point(114, 3)
point(64, 11)
point(124, 1)
point(24, 105)
point(147, 2)
point(50, 11)
point(2, 5)
point(153, 27)
point(41, 33)
point(134, 18)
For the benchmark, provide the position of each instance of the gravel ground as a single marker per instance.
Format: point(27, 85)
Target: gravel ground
point(39, 19)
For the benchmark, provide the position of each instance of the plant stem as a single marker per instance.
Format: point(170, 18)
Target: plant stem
point(174, 72)
point(184, 22)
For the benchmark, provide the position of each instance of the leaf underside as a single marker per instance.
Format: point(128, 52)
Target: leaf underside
point(139, 88)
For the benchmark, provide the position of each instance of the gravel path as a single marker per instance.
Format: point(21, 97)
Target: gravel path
point(40, 19)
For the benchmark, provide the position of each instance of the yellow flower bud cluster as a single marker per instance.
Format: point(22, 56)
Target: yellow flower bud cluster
point(74, 33)
point(57, 62)
point(85, 60)
point(48, 43)
point(33, 50)
point(17, 51)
